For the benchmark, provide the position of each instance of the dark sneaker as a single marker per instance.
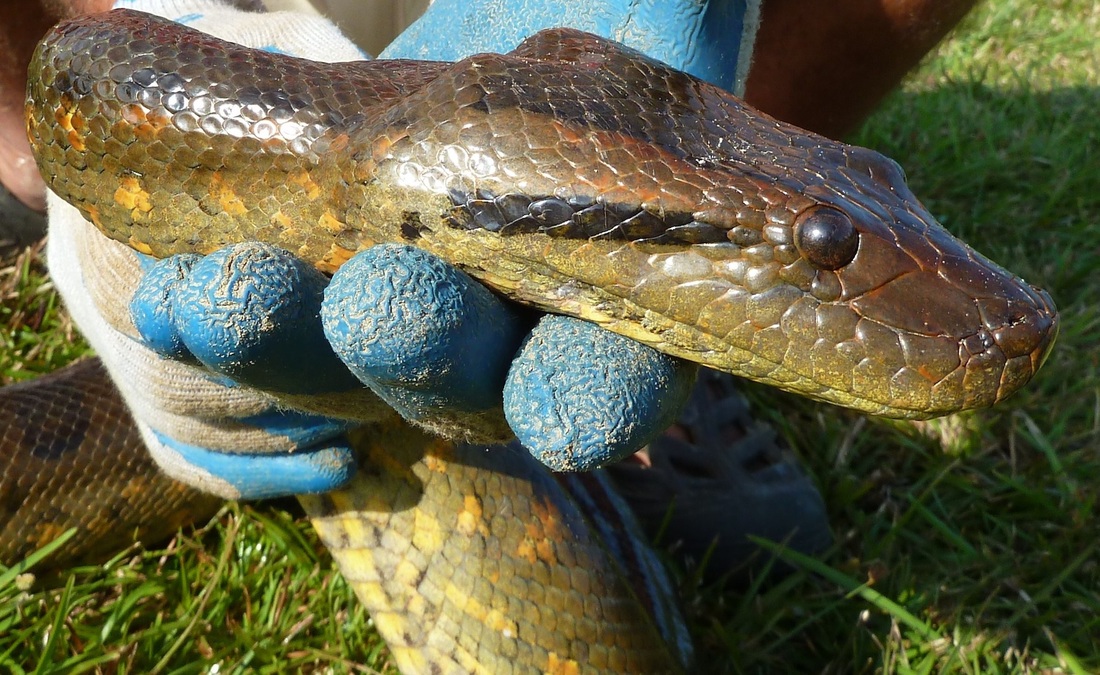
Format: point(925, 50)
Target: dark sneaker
point(20, 225)
point(717, 477)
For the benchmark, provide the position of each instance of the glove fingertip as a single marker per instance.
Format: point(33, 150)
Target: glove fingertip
point(265, 476)
point(250, 312)
point(579, 397)
point(152, 306)
point(418, 331)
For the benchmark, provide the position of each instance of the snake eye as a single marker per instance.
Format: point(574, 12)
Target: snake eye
point(826, 238)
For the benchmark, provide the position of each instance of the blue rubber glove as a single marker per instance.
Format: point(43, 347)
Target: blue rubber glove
point(706, 38)
point(577, 396)
point(203, 428)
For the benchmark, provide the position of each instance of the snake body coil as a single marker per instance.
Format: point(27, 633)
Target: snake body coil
point(69, 457)
point(469, 561)
point(573, 175)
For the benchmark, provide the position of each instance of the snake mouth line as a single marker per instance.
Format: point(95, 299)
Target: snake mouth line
point(582, 217)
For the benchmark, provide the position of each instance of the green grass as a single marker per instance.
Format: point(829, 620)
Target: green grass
point(37, 335)
point(251, 592)
point(969, 545)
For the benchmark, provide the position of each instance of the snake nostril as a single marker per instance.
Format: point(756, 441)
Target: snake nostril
point(1031, 335)
point(826, 237)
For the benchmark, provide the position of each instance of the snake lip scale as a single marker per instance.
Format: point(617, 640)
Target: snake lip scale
point(572, 174)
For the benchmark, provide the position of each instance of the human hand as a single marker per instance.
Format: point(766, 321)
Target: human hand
point(201, 428)
point(258, 362)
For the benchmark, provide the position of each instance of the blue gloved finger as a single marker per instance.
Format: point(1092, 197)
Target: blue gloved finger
point(251, 312)
point(579, 397)
point(702, 38)
point(152, 308)
point(299, 429)
point(262, 476)
point(420, 333)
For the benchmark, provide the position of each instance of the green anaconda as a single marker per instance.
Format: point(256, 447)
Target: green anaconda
point(572, 175)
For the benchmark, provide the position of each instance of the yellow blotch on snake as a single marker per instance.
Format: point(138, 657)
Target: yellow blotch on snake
point(72, 125)
point(541, 534)
point(131, 195)
point(470, 519)
point(228, 199)
point(559, 666)
point(306, 182)
point(487, 616)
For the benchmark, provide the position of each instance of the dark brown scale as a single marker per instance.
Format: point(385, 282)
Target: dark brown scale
point(577, 219)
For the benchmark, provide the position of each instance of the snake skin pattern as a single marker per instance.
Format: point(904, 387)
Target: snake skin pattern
point(470, 560)
point(572, 175)
point(474, 560)
point(69, 457)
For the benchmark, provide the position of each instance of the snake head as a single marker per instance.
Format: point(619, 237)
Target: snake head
point(884, 304)
point(666, 209)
